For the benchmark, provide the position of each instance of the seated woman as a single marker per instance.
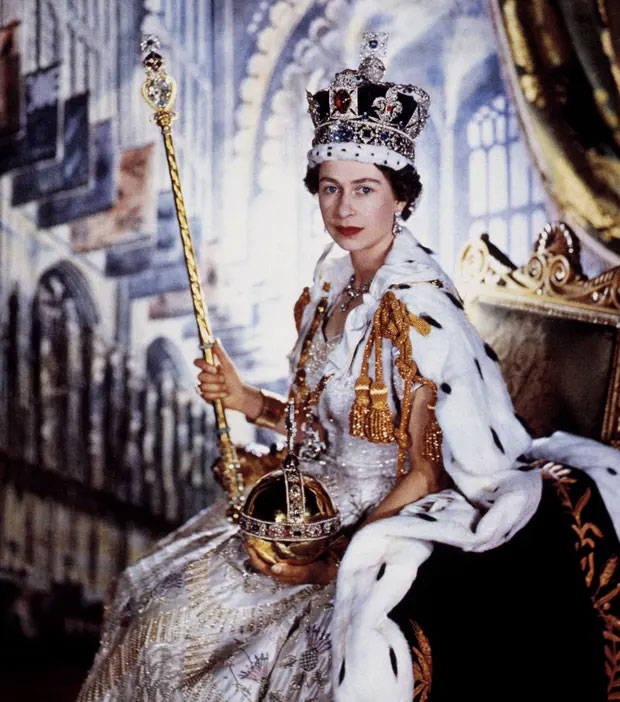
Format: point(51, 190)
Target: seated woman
point(406, 421)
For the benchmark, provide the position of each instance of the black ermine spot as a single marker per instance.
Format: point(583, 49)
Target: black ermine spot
point(454, 300)
point(393, 661)
point(427, 517)
point(479, 369)
point(431, 320)
point(490, 353)
point(498, 443)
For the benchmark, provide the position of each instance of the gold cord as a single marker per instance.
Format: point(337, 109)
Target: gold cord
point(304, 397)
point(300, 306)
point(392, 321)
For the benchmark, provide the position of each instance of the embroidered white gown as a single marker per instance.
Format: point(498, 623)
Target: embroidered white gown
point(191, 621)
point(194, 621)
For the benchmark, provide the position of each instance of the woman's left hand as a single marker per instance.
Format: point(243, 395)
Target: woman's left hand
point(320, 572)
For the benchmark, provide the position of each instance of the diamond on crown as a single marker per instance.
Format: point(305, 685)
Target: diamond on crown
point(371, 69)
point(374, 44)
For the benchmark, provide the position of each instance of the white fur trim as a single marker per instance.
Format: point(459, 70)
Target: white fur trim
point(365, 153)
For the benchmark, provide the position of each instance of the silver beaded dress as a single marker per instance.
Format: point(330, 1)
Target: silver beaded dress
point(193, 620)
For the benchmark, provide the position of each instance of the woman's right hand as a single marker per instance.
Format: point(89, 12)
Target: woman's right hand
point(223, 382)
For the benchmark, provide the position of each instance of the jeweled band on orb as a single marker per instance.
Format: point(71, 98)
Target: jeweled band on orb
point(287, 531)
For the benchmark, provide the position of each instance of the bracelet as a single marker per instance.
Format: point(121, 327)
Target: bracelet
point(271, 412)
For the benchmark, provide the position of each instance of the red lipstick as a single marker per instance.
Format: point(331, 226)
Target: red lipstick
point(349, 231)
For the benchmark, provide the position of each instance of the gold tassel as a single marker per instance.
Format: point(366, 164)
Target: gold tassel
point(432, 441)
point(380, 427)
point(432, 431)
point(358, 416)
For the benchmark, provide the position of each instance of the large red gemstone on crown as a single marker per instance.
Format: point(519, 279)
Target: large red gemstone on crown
point(342, 100)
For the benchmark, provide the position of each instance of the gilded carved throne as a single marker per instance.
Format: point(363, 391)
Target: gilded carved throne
point(556, 332)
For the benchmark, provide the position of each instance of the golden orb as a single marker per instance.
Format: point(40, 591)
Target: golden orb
point(289, 516)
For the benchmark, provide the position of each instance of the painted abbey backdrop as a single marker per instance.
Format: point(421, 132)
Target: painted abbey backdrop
point(103, 443)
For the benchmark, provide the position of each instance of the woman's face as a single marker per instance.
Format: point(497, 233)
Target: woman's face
point(357, 204)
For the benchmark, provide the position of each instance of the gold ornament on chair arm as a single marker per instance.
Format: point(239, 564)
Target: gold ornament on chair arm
point(551, 278)
point(159, 91)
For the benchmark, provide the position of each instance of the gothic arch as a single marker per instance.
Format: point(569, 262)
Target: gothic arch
point(163, 356)
point(64, 281)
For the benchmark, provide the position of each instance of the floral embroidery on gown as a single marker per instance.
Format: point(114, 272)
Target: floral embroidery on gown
point(194, 621)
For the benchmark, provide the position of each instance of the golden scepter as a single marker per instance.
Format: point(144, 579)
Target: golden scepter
point(159, 91)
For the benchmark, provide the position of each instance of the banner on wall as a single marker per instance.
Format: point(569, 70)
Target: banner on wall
point(11, 112)
point(177, 303)
point(168, 238)
point(126, 259)
point(40, 135)
point(100, 195)
point(137, 257)
point(133, 216)
point(167, 273)
point(169, 246)
point(73, 171)
point(158, 280)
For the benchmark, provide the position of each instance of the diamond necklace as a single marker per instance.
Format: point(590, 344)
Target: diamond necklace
point(352, 292)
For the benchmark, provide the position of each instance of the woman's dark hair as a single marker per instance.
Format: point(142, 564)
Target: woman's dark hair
point(406, 184)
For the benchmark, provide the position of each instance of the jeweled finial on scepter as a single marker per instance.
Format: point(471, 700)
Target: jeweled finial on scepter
point(159, 89)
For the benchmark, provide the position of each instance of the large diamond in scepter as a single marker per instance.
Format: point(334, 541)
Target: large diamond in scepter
point(159, 91)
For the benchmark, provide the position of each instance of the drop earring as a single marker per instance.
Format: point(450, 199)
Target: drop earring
point(396, 226)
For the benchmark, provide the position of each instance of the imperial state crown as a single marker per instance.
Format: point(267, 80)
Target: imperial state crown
point(359, 117)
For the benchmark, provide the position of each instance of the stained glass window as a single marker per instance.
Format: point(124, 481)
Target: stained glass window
point(505, 197)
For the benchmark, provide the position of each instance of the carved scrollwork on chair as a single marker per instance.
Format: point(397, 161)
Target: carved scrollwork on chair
point(556, 331)
point(553, 273)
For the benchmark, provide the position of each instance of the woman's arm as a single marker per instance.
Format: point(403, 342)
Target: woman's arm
point(223, 382)
point(425, 475)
